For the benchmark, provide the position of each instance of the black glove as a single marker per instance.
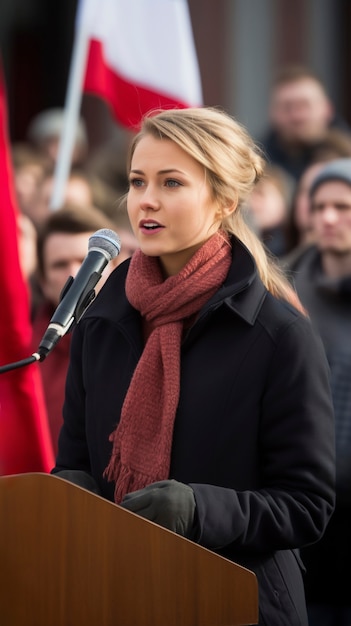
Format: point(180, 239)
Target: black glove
point(168, 503)
point(80, 478)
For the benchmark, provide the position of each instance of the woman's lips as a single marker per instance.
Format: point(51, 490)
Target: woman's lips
point(150, 227)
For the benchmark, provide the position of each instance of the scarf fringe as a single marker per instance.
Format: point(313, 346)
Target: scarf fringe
point(130, 480)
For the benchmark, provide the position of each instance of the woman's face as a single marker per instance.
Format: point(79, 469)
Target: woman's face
point(170, 205)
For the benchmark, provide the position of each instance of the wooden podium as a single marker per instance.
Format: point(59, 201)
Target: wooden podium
point(71, 558)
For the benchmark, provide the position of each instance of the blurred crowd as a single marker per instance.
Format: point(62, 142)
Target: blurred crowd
point(54, 242)
point(301, 209)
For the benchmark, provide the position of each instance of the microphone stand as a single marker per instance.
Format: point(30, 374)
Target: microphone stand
point(17, 364)
point(36, 356)
point(86, 298)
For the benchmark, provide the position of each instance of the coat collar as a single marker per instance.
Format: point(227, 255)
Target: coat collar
point(243, 291)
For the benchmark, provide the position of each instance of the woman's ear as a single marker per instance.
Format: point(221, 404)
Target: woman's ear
point(227, 210)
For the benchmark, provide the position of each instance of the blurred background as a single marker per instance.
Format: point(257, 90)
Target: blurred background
point(240, 44)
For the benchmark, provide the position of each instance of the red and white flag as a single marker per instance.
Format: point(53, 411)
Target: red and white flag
point(25, 442)
point(141, 56)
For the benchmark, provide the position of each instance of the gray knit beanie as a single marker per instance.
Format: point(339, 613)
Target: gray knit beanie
point(338, 169)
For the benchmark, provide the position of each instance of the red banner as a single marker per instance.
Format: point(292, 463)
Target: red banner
point(25, 443)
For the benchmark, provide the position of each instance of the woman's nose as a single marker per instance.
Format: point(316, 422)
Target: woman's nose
point(149, 199)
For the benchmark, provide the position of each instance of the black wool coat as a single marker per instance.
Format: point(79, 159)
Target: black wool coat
point(253, 433)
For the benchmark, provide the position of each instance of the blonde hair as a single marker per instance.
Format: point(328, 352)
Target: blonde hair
point(232, 163)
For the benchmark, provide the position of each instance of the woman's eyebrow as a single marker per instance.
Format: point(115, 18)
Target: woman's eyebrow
point(160, 172)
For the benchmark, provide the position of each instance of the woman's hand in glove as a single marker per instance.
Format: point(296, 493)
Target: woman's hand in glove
point(169, 503)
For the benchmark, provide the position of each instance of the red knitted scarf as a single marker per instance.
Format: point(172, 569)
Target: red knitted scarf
point(143, 438)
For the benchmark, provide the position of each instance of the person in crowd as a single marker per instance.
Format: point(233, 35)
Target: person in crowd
point(269, 206)
point(336, 144)
point(30, 168)
point(27, 246)
point(197, 394)
point(78, 191)
point(82, 188)
point(299, 231)
point(62, 246)
point(322, 276)
point(45, 131)
point(300, 114)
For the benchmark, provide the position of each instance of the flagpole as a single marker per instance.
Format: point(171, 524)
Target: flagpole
point(71, 114)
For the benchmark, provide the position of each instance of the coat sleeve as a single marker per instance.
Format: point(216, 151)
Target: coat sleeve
point(296, 495)
point(73, 451)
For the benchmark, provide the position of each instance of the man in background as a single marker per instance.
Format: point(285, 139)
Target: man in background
point(322, 276)
point(300, 113)
point(62, 246)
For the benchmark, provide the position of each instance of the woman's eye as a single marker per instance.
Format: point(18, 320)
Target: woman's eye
point(135, 182)
point(170, 182)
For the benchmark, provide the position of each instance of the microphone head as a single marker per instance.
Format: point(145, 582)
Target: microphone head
point(106, 240)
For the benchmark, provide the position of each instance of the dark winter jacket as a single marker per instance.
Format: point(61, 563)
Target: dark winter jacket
point(253, 432)
point(328, 301)
point(296, 160)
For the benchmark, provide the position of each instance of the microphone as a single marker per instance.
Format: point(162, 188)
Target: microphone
point(78, 293)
